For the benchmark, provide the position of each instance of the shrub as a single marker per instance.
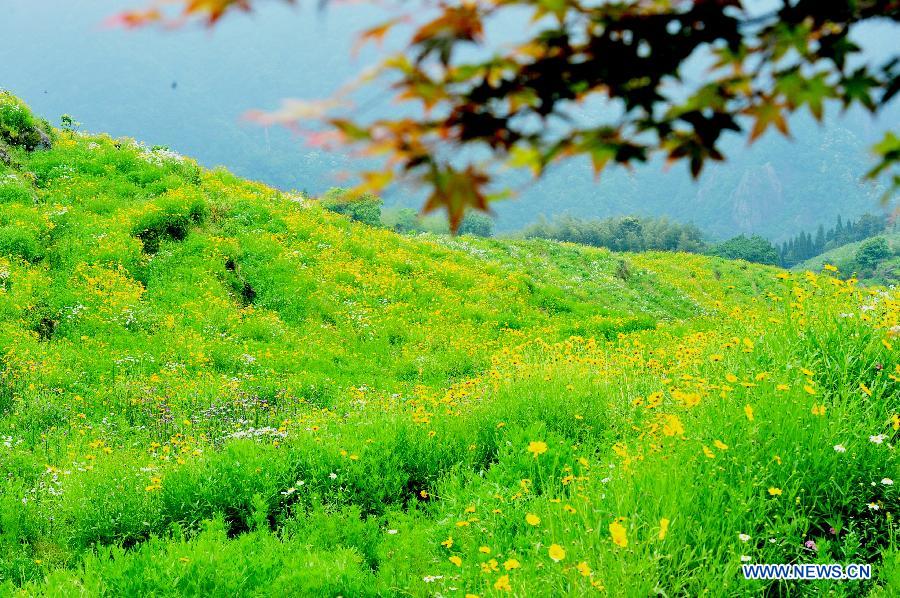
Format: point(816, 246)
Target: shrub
point(477, 225)
point(170, 218)
point(18, 242)
point(401, 220)
point(752, 249)
point(872, 252)
point(19, 127)
point(365, 209)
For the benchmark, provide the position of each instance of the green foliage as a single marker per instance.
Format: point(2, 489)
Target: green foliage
point(365, 209)
point(67, 123)
point(401, 220)
point(872, 252)
point(16, 241)
point(752, 249)
point(804, 246)
point(477, 225)
point(169, 218)
point(381, 403)
point(621, 234)
point(18, 127)
point(408, 221)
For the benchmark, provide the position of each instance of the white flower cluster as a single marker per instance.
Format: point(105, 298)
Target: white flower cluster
point(264, 432)
point(159, 156)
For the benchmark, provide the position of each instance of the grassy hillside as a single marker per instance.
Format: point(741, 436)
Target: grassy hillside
point(843, 254)
point(212, 388)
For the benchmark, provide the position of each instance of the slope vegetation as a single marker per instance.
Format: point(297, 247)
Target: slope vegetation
point(213, 388)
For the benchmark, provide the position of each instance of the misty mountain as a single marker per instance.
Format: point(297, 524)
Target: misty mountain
point(188, 90)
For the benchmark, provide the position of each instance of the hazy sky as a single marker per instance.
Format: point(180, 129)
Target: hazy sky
point(188, 89)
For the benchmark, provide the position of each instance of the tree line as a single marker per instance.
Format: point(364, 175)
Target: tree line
point(632, 233)
point(626, 233)
point(806, 245)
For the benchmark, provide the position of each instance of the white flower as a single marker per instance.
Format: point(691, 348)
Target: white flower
point(745, 558)
point(877, 439)
point(332, 475)
point(840, 448)
point(743, 537)
point(887, 481)
point(873, 506)
point(392, 531)
point(289, 491)
point(431, 578)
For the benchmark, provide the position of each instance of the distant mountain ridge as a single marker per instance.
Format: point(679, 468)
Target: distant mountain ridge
point(122, 82)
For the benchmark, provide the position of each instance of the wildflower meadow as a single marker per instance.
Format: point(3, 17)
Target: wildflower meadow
point(209, 387)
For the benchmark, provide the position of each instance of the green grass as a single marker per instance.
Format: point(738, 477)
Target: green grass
point(211, 388)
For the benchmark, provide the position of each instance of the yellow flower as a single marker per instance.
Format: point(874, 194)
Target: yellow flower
point(663, 528)
point(708, 453)
point(720, 445)
point(557, 553)
point(489, 566)
point(748, 411)
point(584, 569)
point(502, 584)
point(818, 409)
point(807, 372)
point(672, 426)
point(830, 268)
point(809, 389)
point(569, 509)
point(617, 531)
point(865, 389)
point(448, 542)
point(456, 560)
point(731, 378)
point(537, 447)
point(715, 357)
point(775, 491)
point(484, 550)
point(511, 564)
point(783, 387)
point(532, 519)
